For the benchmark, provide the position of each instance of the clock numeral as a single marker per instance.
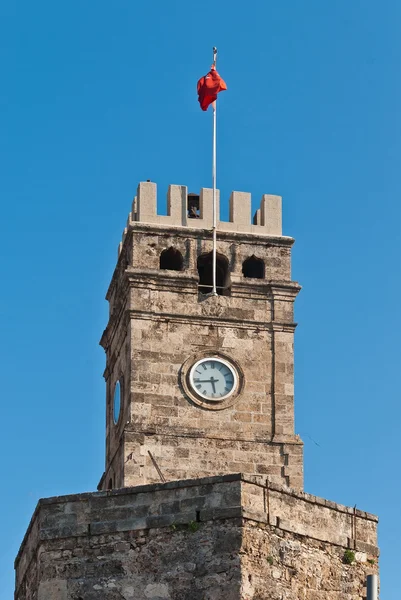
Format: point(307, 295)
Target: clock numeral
point(198, 387)
point(212, 365)
point(204, 366)
point(204, 392)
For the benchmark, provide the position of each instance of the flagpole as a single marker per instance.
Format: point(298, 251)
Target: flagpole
point(214, 260)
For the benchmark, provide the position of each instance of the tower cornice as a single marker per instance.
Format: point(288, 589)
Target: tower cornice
point(189, 232)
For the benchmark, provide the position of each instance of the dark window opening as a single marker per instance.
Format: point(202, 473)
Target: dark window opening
point(205, 270)
point(110, 486)
point(193, 206)
point(253, 267)
point(171, 259)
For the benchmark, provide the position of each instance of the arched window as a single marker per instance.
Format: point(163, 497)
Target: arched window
point(171, 259)
point(253, 267)
point(205, 270)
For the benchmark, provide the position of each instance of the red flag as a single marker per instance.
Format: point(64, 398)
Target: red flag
point(208, 88)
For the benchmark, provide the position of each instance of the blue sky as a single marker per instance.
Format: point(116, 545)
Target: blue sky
point(96, 97)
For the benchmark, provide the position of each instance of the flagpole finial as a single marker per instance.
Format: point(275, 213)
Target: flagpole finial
point(214, 55)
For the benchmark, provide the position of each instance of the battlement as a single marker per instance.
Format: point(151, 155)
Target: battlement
point(267, 219)
point(196, 212)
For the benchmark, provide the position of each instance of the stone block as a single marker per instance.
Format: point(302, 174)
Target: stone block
point(53, 590)
point(146, 204)
point(240, 210)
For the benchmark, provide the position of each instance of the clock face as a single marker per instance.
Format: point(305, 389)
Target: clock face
point(116, 402)
point(213, 379)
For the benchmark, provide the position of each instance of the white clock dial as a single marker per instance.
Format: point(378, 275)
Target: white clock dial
point(213, 379)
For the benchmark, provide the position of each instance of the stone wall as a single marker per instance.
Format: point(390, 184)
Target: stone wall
point(160, 322)
point(223, 538)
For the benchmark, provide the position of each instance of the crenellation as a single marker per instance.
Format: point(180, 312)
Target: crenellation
point(133, 215)
point(266, 222)
point(271, 214)
point(240, 209)
point(205, 220)
point(146, 204)
point(124, 235)
point(257, 217)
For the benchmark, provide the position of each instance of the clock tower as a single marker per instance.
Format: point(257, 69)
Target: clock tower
point(202, 492)
point(196, 384)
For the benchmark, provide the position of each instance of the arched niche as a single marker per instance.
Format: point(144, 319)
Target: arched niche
point(253, 267)
point(205, 271)
point(171, 259)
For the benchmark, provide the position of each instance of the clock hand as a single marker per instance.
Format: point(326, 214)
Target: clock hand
point(213, 381)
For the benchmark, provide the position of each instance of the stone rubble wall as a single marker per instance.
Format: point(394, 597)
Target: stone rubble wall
point(225, 538)
point(280, 565)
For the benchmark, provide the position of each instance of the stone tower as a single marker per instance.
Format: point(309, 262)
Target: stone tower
point(202, 497)
point(163, 424)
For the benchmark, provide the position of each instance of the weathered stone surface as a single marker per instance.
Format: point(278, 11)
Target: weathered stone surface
point(226, 538)
point(53, 590)
point(160, 323)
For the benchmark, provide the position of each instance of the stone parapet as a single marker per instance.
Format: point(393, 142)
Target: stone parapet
point(98, 544)
point(267, 219)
